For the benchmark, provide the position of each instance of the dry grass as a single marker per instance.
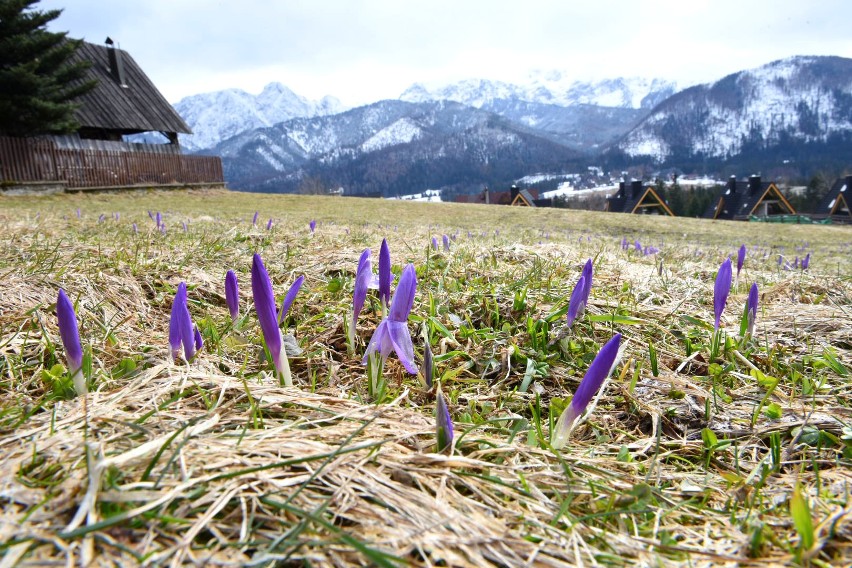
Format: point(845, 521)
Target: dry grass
point(214, 463)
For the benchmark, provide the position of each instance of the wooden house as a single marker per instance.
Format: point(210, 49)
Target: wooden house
point(636, 197)
point(124, 103)
point(743, 199)
point(515, 196)
point(837, 201)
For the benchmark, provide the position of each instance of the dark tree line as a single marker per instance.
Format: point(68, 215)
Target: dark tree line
point(38, 84)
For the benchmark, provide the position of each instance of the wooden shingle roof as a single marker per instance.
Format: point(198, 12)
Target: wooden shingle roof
point(136, 107)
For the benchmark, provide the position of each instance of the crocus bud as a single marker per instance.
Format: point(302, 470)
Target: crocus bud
point(288, 299)
point(721, 289)
point(232, 294)
point(384, 273)
point(70, 335)
point(600, 369)
point(751, 308)
point(443, 423)
point(264, 305)
point(741, 254)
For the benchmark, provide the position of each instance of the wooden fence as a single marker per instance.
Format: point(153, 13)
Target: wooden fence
point(40, 160)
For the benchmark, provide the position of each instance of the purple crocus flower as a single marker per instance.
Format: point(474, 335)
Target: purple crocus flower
point(600, 369)
point(288, 299)
point(264, 305)
point(70, 335)
point(446, 240)
point(392, 333)
point(363, 277)
point(180, 326)
point(185, 227)
point(232, 294)
point(384, 275)
point(443, 423)
point(151, 215)
point(269, 225)
point(721, 290)
point(806, 261)
point(751, 308)
point(638, 246)
point(79, 213)
point(580, 295)
point(741, 254)
point(434, 243)
point(135, 229)
point(312, 225)
point(158, 219)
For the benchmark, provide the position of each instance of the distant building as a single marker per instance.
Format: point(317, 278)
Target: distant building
point(515, 196)
point(837, 200)
point(634, 197)
point(742, 199)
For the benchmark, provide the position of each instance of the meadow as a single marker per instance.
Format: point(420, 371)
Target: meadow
point(702, 449)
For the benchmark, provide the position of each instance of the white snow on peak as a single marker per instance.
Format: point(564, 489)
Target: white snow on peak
point(402, 131)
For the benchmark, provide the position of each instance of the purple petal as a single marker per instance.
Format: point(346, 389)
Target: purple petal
point(576, 305)
point(68, 332)
point(401, 341)
point(254, 219)
point(264, 305)
point(379, 342)
point(384, 273)
point(587, 284)
point(312, 225)
point(721, 289)
point(199, 342)
point(362, 282)
point(288, 299)
point(232, 294)
point(403, 297)
point(446, 241)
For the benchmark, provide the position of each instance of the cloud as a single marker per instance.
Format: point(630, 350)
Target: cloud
point(371, 49)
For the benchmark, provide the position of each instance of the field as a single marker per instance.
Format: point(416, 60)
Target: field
point(698, 452)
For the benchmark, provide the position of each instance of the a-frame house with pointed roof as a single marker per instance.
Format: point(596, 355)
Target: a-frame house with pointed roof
point(743, 199)
point(634, 197)
point(837, 201)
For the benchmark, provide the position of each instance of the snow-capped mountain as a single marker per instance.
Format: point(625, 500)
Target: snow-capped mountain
point(219, 115)
point(389, 147)
point(796, 100)
point(550, 88)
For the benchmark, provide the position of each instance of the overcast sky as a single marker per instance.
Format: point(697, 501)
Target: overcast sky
point(364, 51)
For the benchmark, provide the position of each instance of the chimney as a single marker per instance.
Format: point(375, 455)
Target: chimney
point(754, 184)
point(732, 185)
point(116, 65)
point(515, 192)
point(487, 197)
point(635, 188)
point(621, 190)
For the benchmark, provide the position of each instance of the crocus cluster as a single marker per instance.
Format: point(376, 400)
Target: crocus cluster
point(182, 332)
point(580, 295)
point(598, 372)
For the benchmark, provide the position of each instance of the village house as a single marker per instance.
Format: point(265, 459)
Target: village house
point(636, 197)
point(836, 202)
point(128, 137)
point(743, 199)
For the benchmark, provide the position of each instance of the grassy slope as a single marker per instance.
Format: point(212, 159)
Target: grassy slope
point(214, 461)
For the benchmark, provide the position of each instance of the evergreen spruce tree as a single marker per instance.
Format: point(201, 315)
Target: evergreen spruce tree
point(38, 83)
